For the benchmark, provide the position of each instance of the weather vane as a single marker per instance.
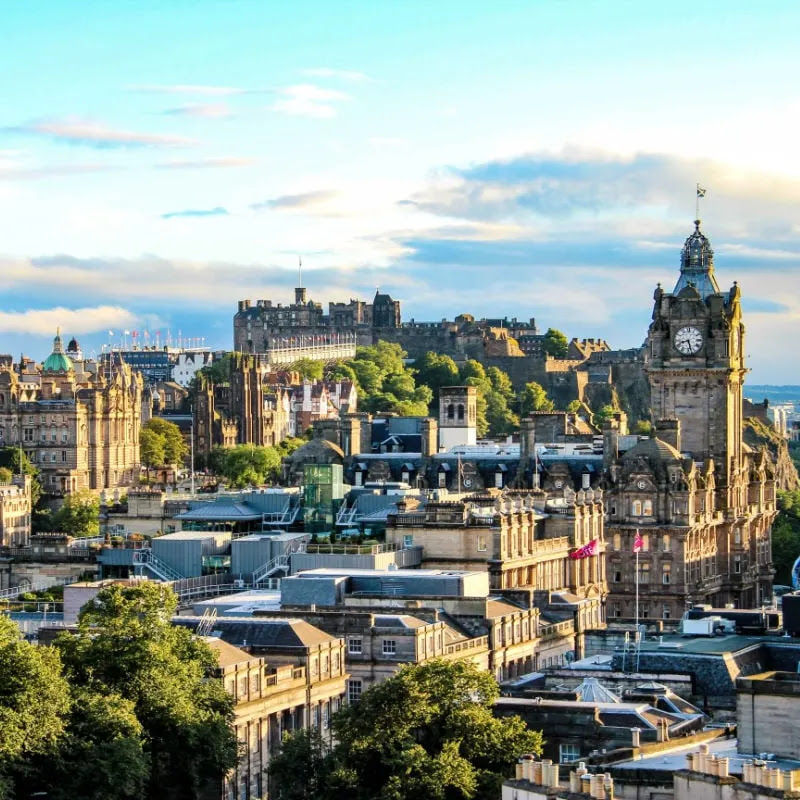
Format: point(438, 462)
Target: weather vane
point(701, 192)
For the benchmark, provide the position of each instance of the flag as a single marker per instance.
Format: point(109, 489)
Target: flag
point(111, 333)
point(701, 192)
point(638, 544)
point(585, 551)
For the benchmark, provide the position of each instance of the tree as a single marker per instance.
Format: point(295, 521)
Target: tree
point(643, 427)
point(247, 465)
point(79, 515)
point(786, 536)
point(302, 770)
point(126, 646)
point(500, 418)
point(342, 372)
point(34, 702)
point(573, 406)
point(175, 447)
point(428, 731)
point(434, 371)
point(368, 375)
point(501, 383)
point(603, 414)
point(534, 398)
point(10, 459)
point(151, 449)
point(309, 369)
point(5, 475)
point(473, 369)
point(555, 343)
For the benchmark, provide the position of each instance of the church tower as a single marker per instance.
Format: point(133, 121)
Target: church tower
point(695, 360)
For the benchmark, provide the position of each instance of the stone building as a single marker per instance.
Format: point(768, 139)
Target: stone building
point(77, 422)
point(702, 499)
point(15, 512)
point(292, 677)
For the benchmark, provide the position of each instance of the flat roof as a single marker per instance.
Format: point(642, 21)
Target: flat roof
point(702, 645)
point(333, 572)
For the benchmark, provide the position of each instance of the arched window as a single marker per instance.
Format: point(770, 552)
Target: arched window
point(460, 412)
point(451, 411)
point(636, 508)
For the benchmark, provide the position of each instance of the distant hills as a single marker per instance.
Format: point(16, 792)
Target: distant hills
point(775, 394)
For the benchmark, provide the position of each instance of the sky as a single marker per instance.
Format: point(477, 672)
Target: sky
point(160, 161)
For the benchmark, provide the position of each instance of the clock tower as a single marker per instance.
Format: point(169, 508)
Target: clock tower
point(694, 360)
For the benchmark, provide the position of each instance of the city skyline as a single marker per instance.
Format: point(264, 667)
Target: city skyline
point(539, 160)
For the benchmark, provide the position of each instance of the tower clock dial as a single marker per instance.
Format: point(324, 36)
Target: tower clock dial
point(688, 340)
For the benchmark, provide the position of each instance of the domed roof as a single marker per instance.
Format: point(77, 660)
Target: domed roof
point(315, 449)
point(653, 449)
point(73, 346)
point(57, 361)
point(697, 264)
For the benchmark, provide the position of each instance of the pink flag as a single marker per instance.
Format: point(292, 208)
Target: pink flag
point(585, 551)
point(638, 544)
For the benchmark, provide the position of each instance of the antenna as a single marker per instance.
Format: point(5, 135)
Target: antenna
point(300, 270)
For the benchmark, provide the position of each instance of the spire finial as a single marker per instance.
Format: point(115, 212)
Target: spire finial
point(300, 269)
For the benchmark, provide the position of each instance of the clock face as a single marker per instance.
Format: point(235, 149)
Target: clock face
point(688, 340)
point(558, 484)
point(640, 484)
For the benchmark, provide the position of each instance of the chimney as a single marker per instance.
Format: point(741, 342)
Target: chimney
point(430, 437)
point(586, 477)
point(351, 434)
point(611, 434)
point(669, 431)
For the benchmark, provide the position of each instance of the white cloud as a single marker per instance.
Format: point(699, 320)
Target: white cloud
point(41, 322)
point(214, 162)
point(198, 89)
point(307, 100)
point(97, 134)
point(201, 110)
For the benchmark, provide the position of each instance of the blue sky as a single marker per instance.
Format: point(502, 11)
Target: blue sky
point(159, 161)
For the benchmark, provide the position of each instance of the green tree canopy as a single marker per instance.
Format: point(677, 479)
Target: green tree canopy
point(603, 414)
point(78, 516)
point(127, 646)
point(434, 371)
point(246, 464)
point(786, 536)
point(309, 369)
point(152, 448)
point(10, 459)
point(34, 699)
point(175, 447)
point(555, 343)
point(501, 383)
point(534, 398)
point(5, 475)
point(426, 732)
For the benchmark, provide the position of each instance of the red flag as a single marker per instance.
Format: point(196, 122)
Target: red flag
point(638, 544)
point(585, 551)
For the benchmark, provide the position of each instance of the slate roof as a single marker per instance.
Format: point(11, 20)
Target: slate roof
point(262, 632)
point(654, 449)
point(221, 510)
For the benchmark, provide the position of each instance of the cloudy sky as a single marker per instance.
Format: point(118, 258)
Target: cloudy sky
point(160, 161)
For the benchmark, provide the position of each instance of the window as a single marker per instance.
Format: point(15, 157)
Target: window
point(737, 564)
point(647, 509)
point(481, 544)
point(354, 687)
point(43, 456)
point(408, 540)
point(618, 576)
point(616, 610)
point(666, 612)
point(460, 413)
point(389, 647)
point(665, 573)
point(737, 536)
point(644, 573)
point(354, 645)
point(451, 411)
point(53, 458)
point(27, 434)
point(665, 543)
point(617, 541)
point(567, 753)
point(64, 436)
point(645, 542)
point(636, 508)
point(63, 455)
point(43, 436)
point(442, 480)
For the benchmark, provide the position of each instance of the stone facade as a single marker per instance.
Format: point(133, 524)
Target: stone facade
point(78, 423)
point(15, 512)
point(703, 501)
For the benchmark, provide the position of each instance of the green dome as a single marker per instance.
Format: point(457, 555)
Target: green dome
point(57, 361)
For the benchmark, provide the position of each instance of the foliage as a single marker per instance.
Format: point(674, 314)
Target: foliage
point(78, 516)
point(9, 458)
point(5, 475)
point(309, 369)
point(302, 770)
point(219, 371)
point(534, 398)
point(573, 406)
point(428, 731)
point(170, 439)
point(494, 391)
point(34, 699)
point(786, 536)
point(127, 647)
point(555, 343)
point(152, 451)
point(246, 464)
point(383, 381)
point(603, 414)
point(434, 371)
point(644, 427)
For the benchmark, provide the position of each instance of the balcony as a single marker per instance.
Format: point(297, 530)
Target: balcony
point(478, 643)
